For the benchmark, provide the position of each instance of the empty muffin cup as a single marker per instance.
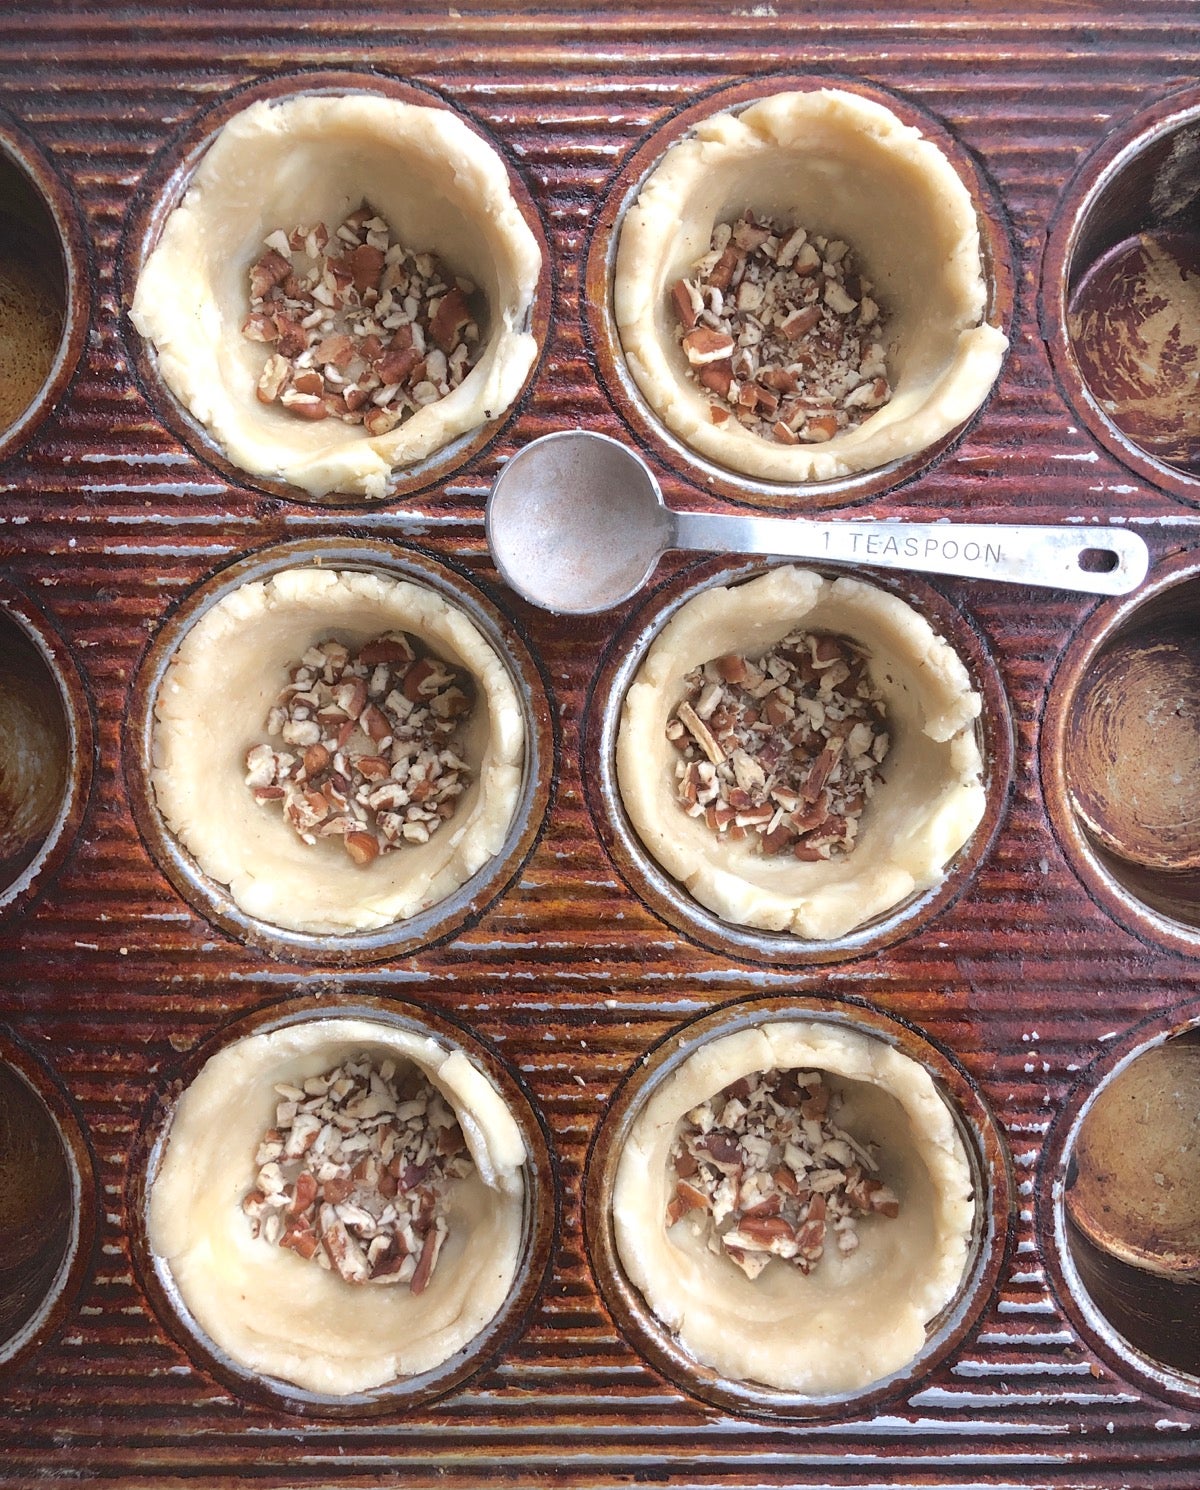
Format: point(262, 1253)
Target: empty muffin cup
point(1129, 1209)
point(346, 288)
point(45, 749)
point(47, 1221)
point(788, 1213)
point(799, 289)
point(339, 750)
point(346, 1208)
point(789, 763)
point(43, 286)
point(1121, 293)
point(1119, 753)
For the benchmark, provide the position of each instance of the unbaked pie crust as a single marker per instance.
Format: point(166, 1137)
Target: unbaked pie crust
point(846, 167)
point(212, 706)
point(857, 1317)
point(314, 158)
point(281, 1316)
point(931, 798)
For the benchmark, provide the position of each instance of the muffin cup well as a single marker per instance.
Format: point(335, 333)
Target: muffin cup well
point(48, 1221)
point(1118, 754)
point(46, 749)
point(981, 1141)
point(46, 299)
point(325, 461)
point(538, 1224)
point(1117, 1191)
point(669, 898)
point(1119, 305)
point(522, 680)
point(850, 479)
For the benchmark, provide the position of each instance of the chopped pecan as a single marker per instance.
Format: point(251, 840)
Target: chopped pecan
point(781, 330)
point(360, 329)
point(365, 1193)
point(788, 748)
point(377, 740)
point(766, 1171)
point(703, 345)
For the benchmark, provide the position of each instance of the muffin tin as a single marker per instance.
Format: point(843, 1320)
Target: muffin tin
point(1044, 964)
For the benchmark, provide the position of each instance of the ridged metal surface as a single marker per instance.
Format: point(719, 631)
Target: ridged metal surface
point(106, 520)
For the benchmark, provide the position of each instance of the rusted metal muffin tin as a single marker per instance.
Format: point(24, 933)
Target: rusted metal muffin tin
point(1041, 968)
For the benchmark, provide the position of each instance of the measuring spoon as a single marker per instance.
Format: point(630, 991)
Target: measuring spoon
point(576, 523)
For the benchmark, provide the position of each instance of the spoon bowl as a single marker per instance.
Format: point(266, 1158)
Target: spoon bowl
point(576, 523)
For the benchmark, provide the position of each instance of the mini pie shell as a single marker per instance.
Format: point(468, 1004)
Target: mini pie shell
point(281, 1316)
point(846, 167)
point(855, 1318)
point(297, 161)
point(930, 801)
point(212, 706)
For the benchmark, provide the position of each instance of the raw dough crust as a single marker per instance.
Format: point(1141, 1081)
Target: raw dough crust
point(275, 1313)
point(928, 805)
point(311, 158)
point(855, 1318)
point(212, 706)
point(845, 167)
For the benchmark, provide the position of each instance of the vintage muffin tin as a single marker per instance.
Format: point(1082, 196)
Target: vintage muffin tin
point(1045, 966)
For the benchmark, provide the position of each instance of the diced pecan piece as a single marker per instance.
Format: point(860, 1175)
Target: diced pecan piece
point(703, 346)
point(449, 320)
point(271, 270)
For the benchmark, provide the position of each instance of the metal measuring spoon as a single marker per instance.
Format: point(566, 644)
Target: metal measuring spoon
point(576, 523)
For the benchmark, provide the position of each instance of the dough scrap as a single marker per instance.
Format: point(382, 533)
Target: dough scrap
point(314, 158)
point(855, 1318)
point(845, 167)
point(281, 1316)
point(212, 706)
point(932, 797)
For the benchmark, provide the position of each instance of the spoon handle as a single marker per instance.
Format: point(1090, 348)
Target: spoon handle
point(1096, 561)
